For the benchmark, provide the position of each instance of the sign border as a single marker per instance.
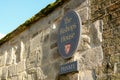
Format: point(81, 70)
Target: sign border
point(80, 29)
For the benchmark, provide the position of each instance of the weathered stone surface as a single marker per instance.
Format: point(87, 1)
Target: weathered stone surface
point(71, 76)
point(0, 72)
point(117, 68)
point(96, 33)
point(84, 14)
point(40, 74)
point(90, 58)
point(87, 75)
point(4, 73)
point(22, 51)
point(9, 56)
point(14, 78)
point(21, 66)
point(45, 54)
point(12, 71)
point(54, 54)
point(3, 59)
point(22, 76)
point(33, 54)
point(53, 36)
point(51, 71)
point(30, 77)
point(85, 29)
point(84, 43)
point(35, 42)
point(34, 59)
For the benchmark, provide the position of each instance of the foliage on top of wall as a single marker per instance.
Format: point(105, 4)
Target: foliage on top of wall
point(44, 12)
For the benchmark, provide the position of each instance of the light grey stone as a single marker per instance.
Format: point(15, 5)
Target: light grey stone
point(22, 76)
point(90, 58)
point(40, 74)
point(35, 42)
point(3, 59)
point(54, 54)
point(0, 72)
point(4, 73)
point(84, 14)
point(96, 33)
point(22, 51)
point(117, 67)
point(87, 75)
point(30, 77)
point(73, 4)
point(84, 43)
point(9, 56)
point(14, 78)
point(12, 71)
point(21, 66)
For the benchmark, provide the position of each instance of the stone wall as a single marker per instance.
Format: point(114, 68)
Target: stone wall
point(109, 12)
point(33, 54)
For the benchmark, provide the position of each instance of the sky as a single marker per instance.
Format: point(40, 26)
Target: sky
point(16, 12)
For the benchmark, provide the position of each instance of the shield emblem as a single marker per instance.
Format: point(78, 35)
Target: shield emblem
point(67, 48)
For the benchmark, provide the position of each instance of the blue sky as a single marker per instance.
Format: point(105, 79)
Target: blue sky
point(15, 12)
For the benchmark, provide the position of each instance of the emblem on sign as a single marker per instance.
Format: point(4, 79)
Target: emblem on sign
point(67, 48)
point(69, 34)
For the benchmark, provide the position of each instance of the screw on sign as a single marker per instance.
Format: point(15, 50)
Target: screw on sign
point(69, 34)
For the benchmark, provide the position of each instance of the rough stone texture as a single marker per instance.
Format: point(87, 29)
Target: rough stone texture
point(20, 67)
point(34, 55)
point(109, 12)
point(4, 73)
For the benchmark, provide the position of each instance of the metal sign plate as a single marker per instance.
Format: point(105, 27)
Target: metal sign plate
point(69, 67)
point(69, 34)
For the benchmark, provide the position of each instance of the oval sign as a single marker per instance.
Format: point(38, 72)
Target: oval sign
point(69, 34)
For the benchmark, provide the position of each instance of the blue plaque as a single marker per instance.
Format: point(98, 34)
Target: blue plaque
point(69, 67)
point(69, 34)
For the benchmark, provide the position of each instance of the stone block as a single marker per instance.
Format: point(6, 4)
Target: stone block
point(90, 58)
point(117, 68)
point(85, 29)
point(22, 76)
point(113, 7)
point(9, 56)
point(54, 54)
point(71, 76)
point(34, 76)
point(35, 42)
point(4, 73)
point(84, 43)
point(29, 77)
point(30, 67)
point(73, 4)
point(87, 75)
point(0, 73)
point(115, 58)
point(108, 33)
point(35, 58)
point(40, 74)
point(21, 66)
point(53, 45)
point(12, 71)
point(98, 13)
point(14, 78)
point(45, 54)
point(51, 71)
point(96, 33)
point(84, 14)
point(53, 36)
point(3, 59)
